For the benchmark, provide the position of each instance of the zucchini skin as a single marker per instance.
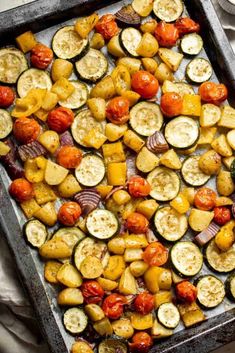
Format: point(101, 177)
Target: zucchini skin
point(228, 286)
point(25, 233)
point(123, 46)
point(232, 170)
point(82, 78)
point(25, 62)
point(197, 280)
point(186, 181)
point(205, 250)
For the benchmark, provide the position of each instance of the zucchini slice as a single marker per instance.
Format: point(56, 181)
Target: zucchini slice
point(12, 64)
point(191, 44)
point(90, 247)
point(186, 258)
point(82, 124)
point(78, 98)
point(33, 78)
point(220, 261)
point(170, 224)
point(90, 171)
point(6, 123)
point(129, 39)
point(75, 320)
point(35, 232)
point(182, 132)
point(168, 315)
point(67, 44)
point(146, 118)
point(168, 10)
point(165, 184)
point(199, 70)
point(92, 67)
point(230, 286)
point(191, 172)
point(111, 345)
point(70, 235)
point(210, 291)
point(102, 224)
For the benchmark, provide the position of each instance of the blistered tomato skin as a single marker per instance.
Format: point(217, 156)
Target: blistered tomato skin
point(144, 303)
point(166, 34)
point(92, 292)
point(7, 96)
point(155, 254)
point(113, 306)
point(21, 190)
point(137, 223)
point(41, 56)
point(117, 110)
point(145, 84)
point(69, 213)
point(60, 119)
point(186, 292)
point(69, 157)
point(107, 26)
point(171, 104)
point(212, 92)
point(186, 25)
point(138, 187)
point(205, 199)
point(141, 343)
point(26, 130)
point(222, 215)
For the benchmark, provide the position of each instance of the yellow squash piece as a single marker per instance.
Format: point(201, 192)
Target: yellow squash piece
point(117, 245)
point(28, 105)
point(26, 41)
point(159, 331)
point(151, 279)
point(132, 97)
point(104, 89)
point(41, 114)
point(81, 347)
point(207, 135)
point(113, 152)
point(191, 105)
point(47, 214)
point(121, 79)
point(180, 203)
point(121, 197)
point(200, 220)
point(103, 190)
point(50, 100)
point(115, 132)
point(189, 193)
point(225, 238)
point(107, 284)
point(97, 41)
point(51, 269)
point(69, 186)
point(148, 26)
point(227, 118)
point(131, 255)
point(114, 269)
point(141, 322)
point(132, 64)
point(147, 208)
point(133, 141)
point(43, 193)
point(146, 160)
point(148, 46)
point(63, 88)
point(228, 161)
point(163, 296)
point(191, 314)
point(50, 140)
point(171, 58)
point(95, 138)
point(35, 169)
point(97, 107)
point(117, 173)
point(127, 284)
point(171, 160)
point(83, 26)
point(135, 241)
point(4, 149)
point(223, 201)
point(29, 207)
point(61, 68)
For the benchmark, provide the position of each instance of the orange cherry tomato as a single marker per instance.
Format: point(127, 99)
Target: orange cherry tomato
point(186, 25)
point(69, 213)
point(141, 343)
point(92, 292)
point(137, 223)
point(60, 119)
point(186, 292)
point(205, 199)
point(41, 56)
point(21, 190)
point(26, 130)
point(145, 84)
point(69, 157)
point(117, 110)
point(7, 96)
point(144, 303)
point(171, 104)
point(212, 92)
point(166, 34)
point(107, 26)
point(222, 215)
point(155, 254)
point(113, 306)
point(138, 187)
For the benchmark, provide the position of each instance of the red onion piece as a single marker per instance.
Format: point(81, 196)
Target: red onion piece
point(113, 191)
point(88, 199)
point(207, 234)
point(151, 237)
point(156, 143)
point(31, 150)
point(131, 166)
point(14, 170)
point(66, 139)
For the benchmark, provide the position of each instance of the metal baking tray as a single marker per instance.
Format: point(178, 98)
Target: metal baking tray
point(44, 17)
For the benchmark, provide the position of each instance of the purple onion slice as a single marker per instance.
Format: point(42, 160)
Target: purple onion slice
point(113, 191)
point(131, 166)
point(156, 143)
point(66, 139)
point(13, 169)
point(233, 210)
point(31, 150)
point(88, 199)
point(207, 234)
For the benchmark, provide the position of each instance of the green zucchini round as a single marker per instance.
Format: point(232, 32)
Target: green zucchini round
point(220, 261)
point(230, 286)
point(210, 291)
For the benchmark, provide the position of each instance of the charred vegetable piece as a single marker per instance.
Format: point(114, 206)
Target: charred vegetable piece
point(31, 150)
point(127, 16)
point(207, 234)
point(88, 200)
point(157, 143)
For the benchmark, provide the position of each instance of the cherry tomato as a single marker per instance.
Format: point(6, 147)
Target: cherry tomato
point(141, 343)
point(60, 119)
point(26, 130)
point(7, 96)
point(222, 215)
point(69, 157)
point(92, 292)
point(171, 104)
point(212, 92)
point(186, 292)
point(21, 190)
point(117, 110)
point(107, 26)
point(186, 25)
point(145, 84)
point(137, 223)
point(69, 213)
point(144, 303)
point(205, 198)
point(166, 34)
point(41, 56)
point(155, 254)
point(113, 306)
point(138, 187)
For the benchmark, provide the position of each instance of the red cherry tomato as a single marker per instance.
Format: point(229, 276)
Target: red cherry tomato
point(141, 343)
point(60, 119)
point(107, 26)
point(166, 34)
point(186, 292)
point(205, 198)
point(92, 292)
point(144, 303)
point(113, 306)
point(186, 25)
point(138, 187)
point(41, 56)
point(155, 254)
point(21, 190)
point(117, 110)
point(26, 130)
point(171, 104)
point(69, 157)
point(7, 96)
point(222, 215)
point(145, 84)
point(69, 213)
point(212, 92)
point(137, 223)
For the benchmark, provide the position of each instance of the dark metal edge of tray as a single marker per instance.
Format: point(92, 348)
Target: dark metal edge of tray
point(39, 15)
